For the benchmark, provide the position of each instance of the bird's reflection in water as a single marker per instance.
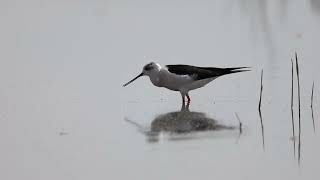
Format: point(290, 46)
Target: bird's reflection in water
point(180, 125)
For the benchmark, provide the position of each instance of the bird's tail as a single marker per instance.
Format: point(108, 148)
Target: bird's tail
point(236, 70)
point(224, 71)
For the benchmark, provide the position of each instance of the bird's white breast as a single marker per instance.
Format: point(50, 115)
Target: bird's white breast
point(180, 82)
point(173, 81)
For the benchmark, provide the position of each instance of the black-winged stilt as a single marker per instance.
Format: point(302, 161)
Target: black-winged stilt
point(183, 78)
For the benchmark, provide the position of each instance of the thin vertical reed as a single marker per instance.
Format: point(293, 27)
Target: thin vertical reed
point(292, 117)
point(299, 103)
point(240, 123)
point(259, 108)
point(314, 128)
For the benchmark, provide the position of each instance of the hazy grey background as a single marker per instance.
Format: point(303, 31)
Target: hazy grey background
point(63, 108)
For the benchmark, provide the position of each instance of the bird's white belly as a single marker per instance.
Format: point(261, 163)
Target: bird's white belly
point(175, 82)
point(182, 82)
point(197, 84)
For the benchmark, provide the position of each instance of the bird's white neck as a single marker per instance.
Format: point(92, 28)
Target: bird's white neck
point(153, 70)
point(155, 77)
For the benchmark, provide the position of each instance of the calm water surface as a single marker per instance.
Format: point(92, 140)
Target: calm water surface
point(65, 115)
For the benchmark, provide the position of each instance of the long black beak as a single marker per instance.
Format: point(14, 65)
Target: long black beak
point(133, 79)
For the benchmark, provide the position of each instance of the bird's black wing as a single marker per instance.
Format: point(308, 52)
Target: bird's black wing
point(202, 72)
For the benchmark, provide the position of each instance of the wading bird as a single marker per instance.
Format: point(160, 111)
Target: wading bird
point(183, 78)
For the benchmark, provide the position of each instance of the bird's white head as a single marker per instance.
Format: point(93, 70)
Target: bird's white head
point(150, 69)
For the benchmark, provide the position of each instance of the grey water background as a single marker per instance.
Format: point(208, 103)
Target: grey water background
point(65, 115)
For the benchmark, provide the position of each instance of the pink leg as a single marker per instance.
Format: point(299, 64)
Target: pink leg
point(189, 99)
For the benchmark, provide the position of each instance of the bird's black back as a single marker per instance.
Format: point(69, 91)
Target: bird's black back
point(199, 73)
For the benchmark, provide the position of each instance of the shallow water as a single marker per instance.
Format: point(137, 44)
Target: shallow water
point(65, 115)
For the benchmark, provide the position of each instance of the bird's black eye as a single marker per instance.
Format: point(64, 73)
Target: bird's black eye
point(148, 67)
